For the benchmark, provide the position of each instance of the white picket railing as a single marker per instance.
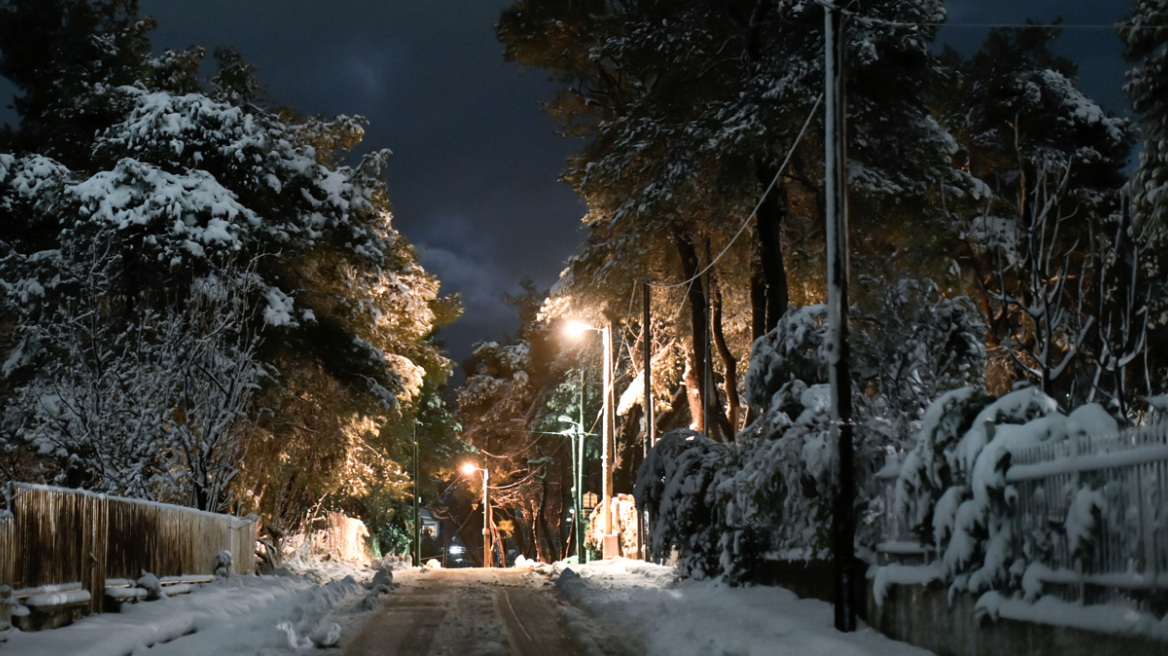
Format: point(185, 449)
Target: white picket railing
point(1126, 478)
point(1123, 554)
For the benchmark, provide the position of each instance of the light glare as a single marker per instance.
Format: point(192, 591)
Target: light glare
point(575, 328)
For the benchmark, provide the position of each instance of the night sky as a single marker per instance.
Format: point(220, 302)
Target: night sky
point(474, 175)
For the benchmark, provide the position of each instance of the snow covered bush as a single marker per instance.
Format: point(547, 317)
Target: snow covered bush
point(771, 492)
point(952, 486)
point(675, 485)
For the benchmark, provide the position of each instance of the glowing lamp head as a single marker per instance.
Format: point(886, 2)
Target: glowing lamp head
point(575, 328)
point(468, 468)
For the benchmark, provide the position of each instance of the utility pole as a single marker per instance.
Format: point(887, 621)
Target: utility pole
point(647, 355)
point(839, 356)
point(608, 453)
point(647, 404)
point(578, 500)
point(709, 397)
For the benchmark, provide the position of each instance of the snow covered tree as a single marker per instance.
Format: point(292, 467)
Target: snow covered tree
point(504, 408)
point(691, 109)
point(1144, 38)
point(1045, 163)
point(152, 406)
point(65, 56)
point(1147, 84)
point(179, 178)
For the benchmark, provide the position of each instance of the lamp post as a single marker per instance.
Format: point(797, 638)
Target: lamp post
point(608, 434)
point(468, 469)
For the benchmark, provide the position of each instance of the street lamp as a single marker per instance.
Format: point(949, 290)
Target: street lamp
point(576, 329)
point(467, 469)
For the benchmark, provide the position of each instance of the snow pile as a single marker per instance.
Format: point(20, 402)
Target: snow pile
point(288, 612)
point(645, 609)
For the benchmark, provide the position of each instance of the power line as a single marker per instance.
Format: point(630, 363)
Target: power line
point(1014, 26)
point(746, 221)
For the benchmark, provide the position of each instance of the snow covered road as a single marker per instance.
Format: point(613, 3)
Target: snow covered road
point(465, 611)
point(607, 608)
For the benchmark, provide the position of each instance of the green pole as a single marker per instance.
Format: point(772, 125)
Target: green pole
point(417, 526)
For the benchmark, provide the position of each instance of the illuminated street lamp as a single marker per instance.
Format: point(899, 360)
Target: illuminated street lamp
point(467, 469)
point(576, 329)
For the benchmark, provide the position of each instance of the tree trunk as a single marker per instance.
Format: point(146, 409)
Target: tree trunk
point(733, 404)
point(758, 299)
point(695, 367)
point(769, 229)
point(720, 428)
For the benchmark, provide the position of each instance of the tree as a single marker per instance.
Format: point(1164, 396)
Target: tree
point(64, 56)
point(691, 109)
point(1146, 84)
point(153, 407)
point(1045, 165)
point(180, 177)
point(503, 406)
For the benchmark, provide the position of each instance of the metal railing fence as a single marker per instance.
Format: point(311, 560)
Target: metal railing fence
point(1091, 510)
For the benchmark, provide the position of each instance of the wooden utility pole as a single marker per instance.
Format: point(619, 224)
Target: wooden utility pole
point(608, 452)
point(839, 355)
point(647, 354)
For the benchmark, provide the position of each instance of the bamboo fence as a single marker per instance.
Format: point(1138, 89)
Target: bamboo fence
point(58, 536)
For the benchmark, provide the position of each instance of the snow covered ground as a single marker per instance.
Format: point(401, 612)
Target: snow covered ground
point(289, 613)
point(624, 607)
point(653, 613)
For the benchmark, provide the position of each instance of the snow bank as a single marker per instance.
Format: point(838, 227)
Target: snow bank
point(248, 615)
point(647, 610)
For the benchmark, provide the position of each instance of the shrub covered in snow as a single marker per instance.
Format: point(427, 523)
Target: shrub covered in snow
point(952, 488)
point(675, 485)
point(728, 508)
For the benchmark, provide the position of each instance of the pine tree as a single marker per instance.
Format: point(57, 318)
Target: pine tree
point(691, 108)
point(182, 178)
point(1147, 83)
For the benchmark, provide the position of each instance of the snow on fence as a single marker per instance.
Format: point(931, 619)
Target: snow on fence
point(1093, 511)
point(63, 536)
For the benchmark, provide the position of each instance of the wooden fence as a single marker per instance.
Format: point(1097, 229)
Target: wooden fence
point(64, 536)
point(7, 548)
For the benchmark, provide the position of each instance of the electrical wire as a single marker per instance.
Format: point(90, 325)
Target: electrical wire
point(1015, 26)
point(746, 222)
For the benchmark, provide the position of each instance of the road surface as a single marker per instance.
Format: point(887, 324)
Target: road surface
point(466, 612)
